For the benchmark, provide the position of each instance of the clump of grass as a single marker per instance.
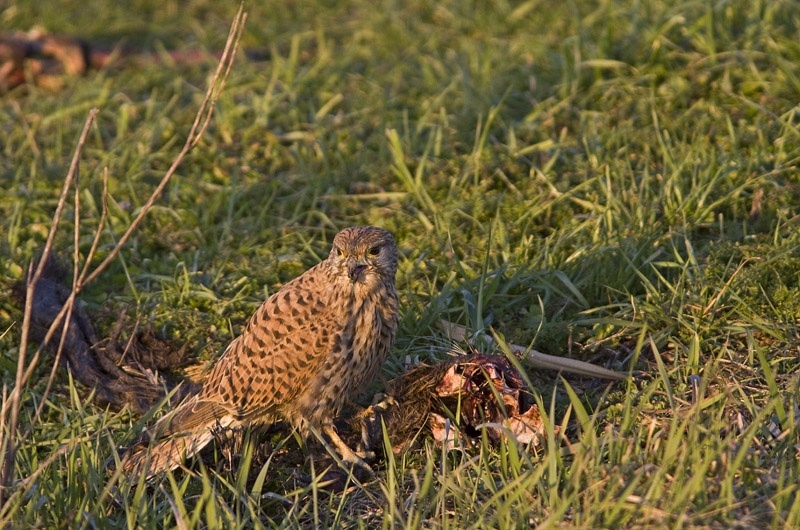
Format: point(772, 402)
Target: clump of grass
point(618, 186)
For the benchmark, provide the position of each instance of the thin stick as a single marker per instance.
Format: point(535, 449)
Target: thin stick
point(76, 286)
point(195, 133)
point(5, 398)
point(80, 285)
point(234, 41)
point(128, 345)
point(3, 421)
point(201, 122)
point(541, 360)
point(70, 304)
point(9, 455)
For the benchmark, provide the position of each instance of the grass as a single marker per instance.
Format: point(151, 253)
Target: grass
point(614, 181)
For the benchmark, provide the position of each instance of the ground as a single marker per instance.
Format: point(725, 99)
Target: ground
point(611, 181)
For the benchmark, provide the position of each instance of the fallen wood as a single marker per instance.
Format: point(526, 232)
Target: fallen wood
point(45, 59)
point(540, 360)
point(129, 374)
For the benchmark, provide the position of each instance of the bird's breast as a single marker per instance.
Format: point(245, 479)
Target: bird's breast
point(367, 330)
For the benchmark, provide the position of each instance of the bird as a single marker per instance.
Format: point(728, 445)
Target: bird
point(310, 348)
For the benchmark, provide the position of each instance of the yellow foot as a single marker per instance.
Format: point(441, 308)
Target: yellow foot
point(348, 455)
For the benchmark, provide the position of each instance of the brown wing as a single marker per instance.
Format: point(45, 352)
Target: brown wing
point(183, 432)
point(283, 346)
point(194, 414)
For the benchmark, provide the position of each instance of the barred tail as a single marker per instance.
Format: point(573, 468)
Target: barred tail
point(177, 436)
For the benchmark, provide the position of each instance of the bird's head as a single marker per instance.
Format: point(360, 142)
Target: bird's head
point(364, 254)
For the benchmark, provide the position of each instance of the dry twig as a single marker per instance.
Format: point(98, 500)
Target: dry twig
point(539, 359)
point(9, 436)
point(11, 407)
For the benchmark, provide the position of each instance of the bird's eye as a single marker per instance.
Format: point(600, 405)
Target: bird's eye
point(374, 251)
point(340, 252)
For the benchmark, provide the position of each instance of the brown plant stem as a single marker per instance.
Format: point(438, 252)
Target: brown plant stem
point(8, 435)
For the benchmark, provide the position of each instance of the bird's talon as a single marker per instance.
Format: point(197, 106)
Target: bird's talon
point(354, 460)
point(366, 455)
point(348, 456)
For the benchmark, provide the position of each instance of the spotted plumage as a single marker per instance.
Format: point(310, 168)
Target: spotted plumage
point(309, 348)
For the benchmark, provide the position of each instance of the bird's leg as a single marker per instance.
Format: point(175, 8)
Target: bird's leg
point(347, 454)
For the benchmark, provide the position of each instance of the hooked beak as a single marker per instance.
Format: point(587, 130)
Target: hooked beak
point(355, 268)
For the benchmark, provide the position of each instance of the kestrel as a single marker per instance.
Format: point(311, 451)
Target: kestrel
point(309, 348)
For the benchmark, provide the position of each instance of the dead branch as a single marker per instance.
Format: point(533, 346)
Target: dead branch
point(136, 383)
point(75, 334)
point(539, 359)
point(9, 441)
point(45, 60)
